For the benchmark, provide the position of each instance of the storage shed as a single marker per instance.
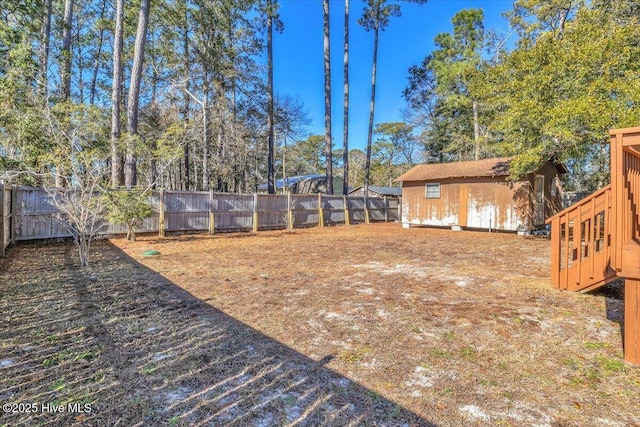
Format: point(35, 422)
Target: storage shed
point(478, 195)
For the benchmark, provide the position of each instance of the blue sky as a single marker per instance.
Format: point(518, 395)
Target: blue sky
point(298, 64)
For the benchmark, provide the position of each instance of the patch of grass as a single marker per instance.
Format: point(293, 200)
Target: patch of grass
point(611, 365)
point(593, 376)
point(450, 335)
point(571, 362)
point(173, 422)
point(416, 330)
point(353, 356)
point(441, 353)
point(87, 355)
point(595, 345)
point(57, 385)
point(149, 370)
point(469, 353)
point(56, 358)
point(576, 382)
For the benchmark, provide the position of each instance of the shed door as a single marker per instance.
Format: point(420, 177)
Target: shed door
point(538, 217)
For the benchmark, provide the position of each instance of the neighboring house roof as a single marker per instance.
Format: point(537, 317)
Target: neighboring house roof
point(292, 180)
point(475, 168)
point(383, 191)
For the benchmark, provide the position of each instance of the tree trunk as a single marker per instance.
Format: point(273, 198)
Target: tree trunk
point(476, 131)
point(117, 178)
point(327, 99)
point(345, 126)
point(65, 68)
point(96, 65)
point(372, 106)
point(187, 103)
point(271, 184)
point(62, 169)
point(130, 172)
point(205, 144)
point(44, 49)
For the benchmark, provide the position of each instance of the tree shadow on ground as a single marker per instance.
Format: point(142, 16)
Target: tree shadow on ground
point(139, 350)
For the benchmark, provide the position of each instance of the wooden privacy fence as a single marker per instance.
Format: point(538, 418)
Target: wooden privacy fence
point(28, 213)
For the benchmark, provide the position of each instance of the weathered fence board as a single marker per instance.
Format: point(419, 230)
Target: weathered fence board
point(186, 211)
point(5, 218)
point(305, 210)
point(357, 213)
point(273, 211)
point(333, 210)
point(232, 212)
point(34, 215)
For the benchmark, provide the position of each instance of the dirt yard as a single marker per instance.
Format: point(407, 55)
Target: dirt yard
point(362, 325)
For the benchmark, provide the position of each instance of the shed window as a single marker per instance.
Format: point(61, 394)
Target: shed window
point(432, 191)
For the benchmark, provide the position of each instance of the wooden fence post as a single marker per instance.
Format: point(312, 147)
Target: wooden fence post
point(366, 210)
point(320, 212)
point(289, 212)
point(14, 217)
point(2, 231)
point(212, 223)
point(161, 214)
point(347, 221)
point(255, 212)
point(386, 209)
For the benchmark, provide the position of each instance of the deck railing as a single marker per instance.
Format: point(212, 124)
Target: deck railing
point(581, 243)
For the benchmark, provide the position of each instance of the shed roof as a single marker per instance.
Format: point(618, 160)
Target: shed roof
point(384, 191)
point(475, 168)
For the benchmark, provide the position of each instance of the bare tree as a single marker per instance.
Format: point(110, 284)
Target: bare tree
point(81, 209)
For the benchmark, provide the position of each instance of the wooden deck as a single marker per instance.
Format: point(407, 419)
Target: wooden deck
point(597, 240)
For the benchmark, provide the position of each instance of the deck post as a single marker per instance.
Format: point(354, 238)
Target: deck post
point(212, 222)
point(161, 214)
point(320, 211)
point(632, 320)
point(255, 212)
point(347, 220)
point(386, 209)
point(555, 253)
